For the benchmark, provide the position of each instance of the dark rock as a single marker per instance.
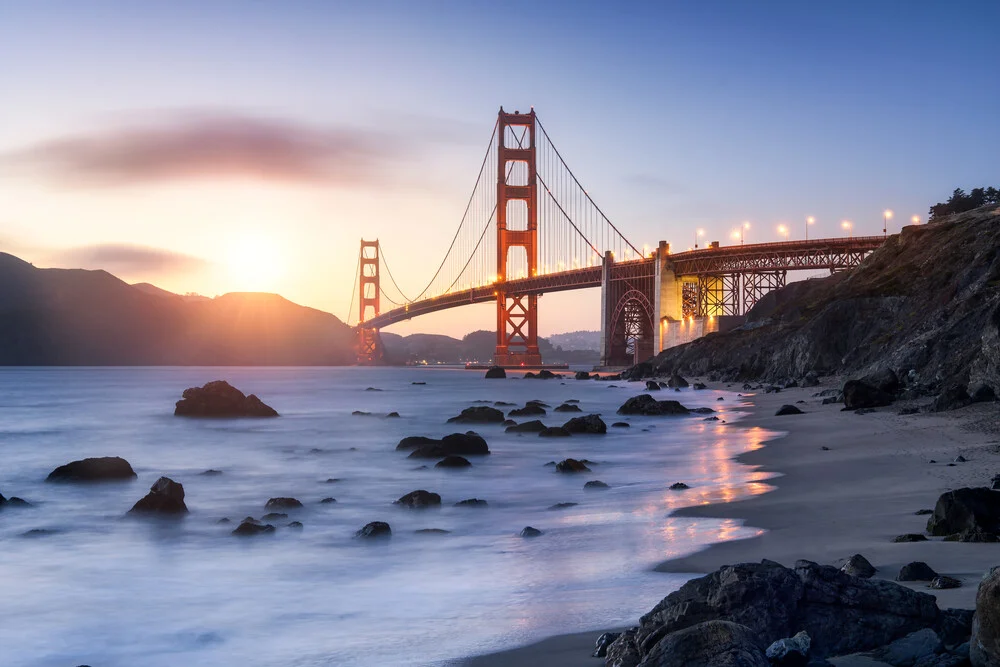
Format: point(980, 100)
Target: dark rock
point(419, 383)
point(571, 465)
point(331, 480)
point(908, 411)
point(472, 502)
point(603, 642)
point(709, 644)
point(375, 529)
point(916, 571)
point(942, 582)
point(914, 648)
point(534, 426)
point(542, 375)
point(621, 425)
point(858, 566)
point(652, 385)
point(392, 415)
point(699, 385)
point(787, 410)
point(884, 380)
point(677, 382)
point(910, 537)
point(40, 532)
point(568, 407)
point(702, 411)
point(528, 531)
point(952, 397)
point(211, 473)
point(480, 414)
point(960, 459)
point(562, 506)
point(790, 651)
point(554, 432)
point(623, 652)
point(165, 497)
point(372, 389)
point(589, 424)
point(833, 399)
point(596, 484)
point(507, 423)
point(103, 469)
point(954, 626)
point(361, 413)
point(432, 531)
point(282, 504)
point(582, 375)
point(679, 486)
point(811, 379)
point(274, 516)
point(966, 509)
point(221, 399)
point(536, 403)
point(496, 373)
point(453, 462)
point(923, 512)
point(328, 500)
point(456, 444)
point(503, 404)
point(644, 404)
point(973, 535)
point(295, 524)
point(414, 441)
point(984, 645)
point(419, 499)
point(858, 394)
point(250, 528)
point(529, 410)
point(721, 398)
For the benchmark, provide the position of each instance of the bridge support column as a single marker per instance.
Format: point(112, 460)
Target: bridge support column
point(369, 344)
point(607, 308)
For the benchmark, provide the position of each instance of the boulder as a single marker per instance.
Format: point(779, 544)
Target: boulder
point(496, 373)
point(274, 516)
point(858, 566)
point(568, 407)
point(554, 432)
point(374, 529)
point(708, 644)
point(571, 465)
point(699, 386)
point(942, 582)
point(221, 399)
point(621, 425)
point(455, 444)
point(414, 441)
point(528, 531)
point(602, 644)
point(529, 410)
point(282, 504)
point(249, 528)
point(623, 651)
point(165, 497)
point(884, 380)
point(910, 537)
point(595, 484)
point(811, 379)
point(589, 424)
point(328, 500)
point(966, 509)
point(644, 404)
point(984, 646)
point(911, 649)
point(790, 652)
point(679, 486)
point(453, 462)
point(677, 382)
point(787, 410)
point(542, 375)
point(419, 499)
point(102, 469)
point(472, 502)
point(534, 426)
point(858, 394)
point(582, 375)
point(652, 385)
point(480, 414)
point(916, 571)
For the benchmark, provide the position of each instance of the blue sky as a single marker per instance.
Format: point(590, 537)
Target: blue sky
point(675, 116)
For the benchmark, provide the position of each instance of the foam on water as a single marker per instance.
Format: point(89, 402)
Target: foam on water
point(105, 590)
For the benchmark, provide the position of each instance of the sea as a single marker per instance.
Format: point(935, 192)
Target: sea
point(85, 585)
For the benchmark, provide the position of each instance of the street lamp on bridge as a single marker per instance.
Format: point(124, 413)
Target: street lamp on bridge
point(849, 226)
point(783, 231)
point(886, 217)
point(809, 221)
point(738, 232)
point(698, 234)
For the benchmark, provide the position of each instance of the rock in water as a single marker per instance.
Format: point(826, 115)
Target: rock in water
point(709, 644)
point(916, 571)
point(248, 528)
point(496, 373)
point(472, 502)
point(966, 509)
point(644, 404)
point(480, 414)
point(595, 484)
point(858, 566)
point(603, 642)
point(568, 407)
point(858, 394)
point(787, 410)
point(375, 529)
point(453, 462)
point(571, 465)
point(679, 486)
point(419, 499)
point(790, 652)
point(534, 426)
point(652, 385)
point(165, 497)
point(455, 444)
point(554, 432)
point(529, 410)
point(676, 382)
point(282, 504)
point(528, 531)
point(942, 582)
point(103, 469)
point(582, 375)
point(589, 424)
point(984, 646)
point(221, 399)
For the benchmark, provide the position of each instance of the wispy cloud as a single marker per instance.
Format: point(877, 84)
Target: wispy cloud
point(131, 260)
point(192, 145)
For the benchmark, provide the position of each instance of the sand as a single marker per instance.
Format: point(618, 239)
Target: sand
point(828, 504)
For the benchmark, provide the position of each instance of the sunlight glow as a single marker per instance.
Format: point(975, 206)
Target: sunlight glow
point(255, 264)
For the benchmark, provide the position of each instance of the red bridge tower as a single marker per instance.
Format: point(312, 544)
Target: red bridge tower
point(369, 346)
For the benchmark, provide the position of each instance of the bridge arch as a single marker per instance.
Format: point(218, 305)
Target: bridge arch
point(629, 337)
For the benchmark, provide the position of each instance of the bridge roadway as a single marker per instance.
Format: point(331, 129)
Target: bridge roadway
point(832, 254)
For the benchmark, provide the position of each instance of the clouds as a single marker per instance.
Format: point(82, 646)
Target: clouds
point(132, 260)
point(196, 145)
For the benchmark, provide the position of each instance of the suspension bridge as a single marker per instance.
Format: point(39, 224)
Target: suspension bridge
point(530, 228)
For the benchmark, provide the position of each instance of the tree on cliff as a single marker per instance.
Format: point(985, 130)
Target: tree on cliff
point(960, 202)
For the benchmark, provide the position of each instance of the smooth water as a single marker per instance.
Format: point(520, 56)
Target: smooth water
point(103, 590)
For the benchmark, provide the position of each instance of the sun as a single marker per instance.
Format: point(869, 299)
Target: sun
point(254, 263)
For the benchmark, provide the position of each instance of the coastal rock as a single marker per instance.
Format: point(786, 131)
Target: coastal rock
point(652, 385)
point(603, 642)
point(221, 399)
point(984, 646)
point(595, 484)
point(528, 531)
point(414, 441)
point(916, 571)
point(623, 651)
point(165, 497)
point(911, 649)
point(102, 469)
point(472, 502)
point(644, 404)
point(274, 516)
point(562, 506)
point(582, 375)
point(496, 373)
point(811, 379)
point(884, 380)
point(374, 529)
point(571, 465)
point(568, 407)
point(249, 528)
point(455, 444)
point(708, 644)
point(910, 537)
point(327, 501)
point(966, 509)
point(282, 504)
point(858, 394)
point(699, 385)
point(790, 652)
point(554, 432)
point(529, 410)
point(952, 397)
point(973, 535)
point(679, 486)
point(621, 425)
point(479, 414)
point(677, 382)
point(542, 375)
point(453, 462)
point(534, 426)
point(858, 566)
point(787, 410)
point(589, 424)
point(419, 499)
point(942, 582)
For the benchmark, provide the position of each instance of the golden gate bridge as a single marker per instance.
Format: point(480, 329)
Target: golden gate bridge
point(530, 228)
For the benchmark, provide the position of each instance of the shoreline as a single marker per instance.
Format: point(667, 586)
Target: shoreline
point(828, 504)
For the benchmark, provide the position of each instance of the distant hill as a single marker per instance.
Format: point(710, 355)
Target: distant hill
point(75, 317)
point(577, 340)
point(476, 347)
point(159, 291)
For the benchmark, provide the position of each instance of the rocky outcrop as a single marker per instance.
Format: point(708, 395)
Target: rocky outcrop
point(984, 646)
point(568, 407)
point(455, 444)
point(787, 410)
point(221, 399)
point(916, 571)
point(374, 529)
point(453, 462)
point(790, 652)
point(571, 465)
point(496, 373)
point(859, 394)
point(554, 432)
point(472, 502)
point(677, 382)
point(528, 531)
point(858, 566)
point(709, 644)
point(419, 499)
point(165, 497)
point(102, 469)
point(652, 385)
point(534, 426)
point(479, 414)
point(529, 410)
point(250, 527)
point(644, 404)
point(282, 504)
point(589, 424)
point(966, 509)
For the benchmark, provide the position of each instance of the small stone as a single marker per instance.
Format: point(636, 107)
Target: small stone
point(248, 529)
point(528, 531)
point(960, 459)
point(679, 486)
point(621, 425)
point(942, 582)
point(858, 566)
point(562, 506)
point(419, 499)
point(282, 503)
point(596, 484)
point(787, 410)
point(472, 502)
point(916, 571)
point(375, 529)
point(571, 465)
point(910, 537)
point(328, 500)
point(295, 524)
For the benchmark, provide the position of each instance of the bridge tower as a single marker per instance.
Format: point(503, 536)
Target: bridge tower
point(517, 190)
point(369, 345)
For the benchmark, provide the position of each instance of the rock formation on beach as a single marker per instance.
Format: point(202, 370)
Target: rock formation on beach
point(165, 497)
point(221, 399)
point(101, 469)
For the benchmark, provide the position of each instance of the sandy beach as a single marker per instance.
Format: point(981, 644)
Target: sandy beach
point(846, 484)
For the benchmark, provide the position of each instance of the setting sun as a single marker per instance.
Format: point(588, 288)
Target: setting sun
point(254, 264)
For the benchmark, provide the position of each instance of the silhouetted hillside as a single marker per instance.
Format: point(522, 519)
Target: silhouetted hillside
point(74, 317)
point(476, 347)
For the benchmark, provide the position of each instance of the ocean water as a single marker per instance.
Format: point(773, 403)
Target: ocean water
point(108, 591)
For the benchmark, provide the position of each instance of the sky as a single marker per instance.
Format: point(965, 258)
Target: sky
point(249, 146)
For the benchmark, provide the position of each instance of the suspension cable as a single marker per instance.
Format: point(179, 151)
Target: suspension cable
point(388, 271)
point(350, 304)
point(565, 215)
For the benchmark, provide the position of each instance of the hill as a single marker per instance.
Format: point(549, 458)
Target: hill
point(75, 317)
point(928, 301)
point(476, 347)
